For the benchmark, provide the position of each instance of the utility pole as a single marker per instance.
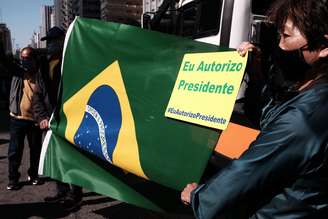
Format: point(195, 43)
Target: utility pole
point(1, 15)
point(13, 44)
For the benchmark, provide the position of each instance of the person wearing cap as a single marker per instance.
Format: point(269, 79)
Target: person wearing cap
point(22, 123)
point(44, 104)
point(51, 71)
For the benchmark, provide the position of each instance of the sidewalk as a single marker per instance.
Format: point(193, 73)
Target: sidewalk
point(28, 201)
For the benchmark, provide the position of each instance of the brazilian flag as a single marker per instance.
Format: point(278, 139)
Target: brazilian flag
point(110, 135)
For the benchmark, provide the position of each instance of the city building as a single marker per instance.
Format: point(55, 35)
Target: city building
point(67, 13)
point(151, 5)
point(46, 21)
point(66, 10)
point(58, 13)
point(122, 11)
point(35, 40)
point(5, 39)
point(87, 8)
point(5, 48)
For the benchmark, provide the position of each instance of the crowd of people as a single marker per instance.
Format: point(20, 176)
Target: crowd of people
point(283, 174)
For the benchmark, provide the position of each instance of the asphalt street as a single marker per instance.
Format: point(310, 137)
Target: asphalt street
point(28, 201)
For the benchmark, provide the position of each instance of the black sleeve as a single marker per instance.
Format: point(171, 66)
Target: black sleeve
point(40, 100)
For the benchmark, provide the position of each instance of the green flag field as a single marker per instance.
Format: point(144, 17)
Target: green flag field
point(109, 134)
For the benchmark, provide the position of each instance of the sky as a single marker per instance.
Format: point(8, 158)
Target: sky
point(22, 17)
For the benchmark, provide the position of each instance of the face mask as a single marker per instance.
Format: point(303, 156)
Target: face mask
point(54, 48)
point(28, 65)
point(292, 64)
point(288, 68)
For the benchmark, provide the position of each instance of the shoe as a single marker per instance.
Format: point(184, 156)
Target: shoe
point(55, 199)
point(70, 203)
point(13, 185)
point(34, 180)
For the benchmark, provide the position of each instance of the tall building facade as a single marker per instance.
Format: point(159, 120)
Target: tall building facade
point(46, 21)
point(87, 8)
point(64, 13)
point(68, 13)
point(5, 39)
point(58, 14)
point(66, 10)
point(35, 40)
point(151, 5)
point(122, 11)
point(5, 47)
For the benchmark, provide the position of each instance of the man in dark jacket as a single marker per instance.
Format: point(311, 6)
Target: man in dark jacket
point(45, 101)
point(21, 120)
point(48, 82)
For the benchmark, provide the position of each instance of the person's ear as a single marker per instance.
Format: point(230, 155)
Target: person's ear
point(324, 52)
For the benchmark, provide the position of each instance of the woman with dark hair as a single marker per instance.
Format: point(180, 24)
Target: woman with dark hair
point(284, 173)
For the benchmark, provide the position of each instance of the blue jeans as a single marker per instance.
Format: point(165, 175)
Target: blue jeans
point(19, 129)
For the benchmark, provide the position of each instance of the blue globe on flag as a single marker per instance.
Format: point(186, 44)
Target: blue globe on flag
point(101, 124)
